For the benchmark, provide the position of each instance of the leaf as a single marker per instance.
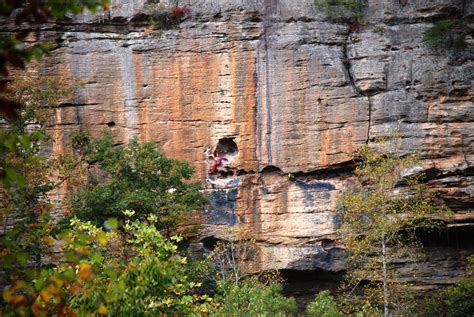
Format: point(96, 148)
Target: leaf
point(71, 256)
point(48, 240)
point(13, 176)
point(102, 310)
point(22, 258)
point(111, 224)
point(102, 238)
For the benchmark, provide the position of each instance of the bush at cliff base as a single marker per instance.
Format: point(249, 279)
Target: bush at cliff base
point(252, 297)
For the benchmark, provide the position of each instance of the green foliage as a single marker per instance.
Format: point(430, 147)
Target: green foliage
point(251, 297)
point(351, 10)
point(26, 175)
point(22, 138)
point(139, 178)
point(142, 274)
point(79, 139)
point(38, 95)
point(133, 272)
point(38, 11)
point(13, 50)
point(323, 306)
point(446, 33)
point(456, 300)
point(163, 16)
point(45, 291)
point(25, 205)
point(378, 214)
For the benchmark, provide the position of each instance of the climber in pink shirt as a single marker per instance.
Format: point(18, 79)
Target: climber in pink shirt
point(218, 160)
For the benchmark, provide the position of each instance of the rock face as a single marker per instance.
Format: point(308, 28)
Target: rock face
point(298, 92)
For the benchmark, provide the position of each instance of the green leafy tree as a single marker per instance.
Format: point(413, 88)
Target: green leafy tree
point(137, 177)
point(25, 235)
point(26, 174)
point(251, 297)
point(323, 306)
point(135, 272)
point(380, 217)
point(129, 272)
point(456, 300)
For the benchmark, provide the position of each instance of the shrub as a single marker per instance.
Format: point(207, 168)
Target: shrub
point(446, 33)
point(456, 300)
point(251, 297)
point(351, 10)
point(163, 16)
point(323, 306)
point(139, 178)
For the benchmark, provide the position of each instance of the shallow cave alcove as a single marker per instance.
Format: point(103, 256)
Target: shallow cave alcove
point(226, 147)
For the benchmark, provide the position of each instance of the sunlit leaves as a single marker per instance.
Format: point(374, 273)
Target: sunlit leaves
point(252, 297)
point(111, 224)
point(146, 276)
point(381, 212)
point(323, 306)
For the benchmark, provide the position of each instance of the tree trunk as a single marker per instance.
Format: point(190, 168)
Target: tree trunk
point(384, 278)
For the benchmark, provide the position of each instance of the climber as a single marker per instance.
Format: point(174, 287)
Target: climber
point(219, 161)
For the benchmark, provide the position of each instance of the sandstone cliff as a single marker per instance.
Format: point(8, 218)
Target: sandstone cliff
point(284, 89)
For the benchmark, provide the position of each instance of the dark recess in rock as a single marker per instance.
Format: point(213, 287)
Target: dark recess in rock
point(303, 285)
point(315, 185)
point(458, 237)
point(271, 169)
point(209, 243)
point(226, 147)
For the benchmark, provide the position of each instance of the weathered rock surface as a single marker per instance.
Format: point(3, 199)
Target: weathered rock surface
point(297, 93)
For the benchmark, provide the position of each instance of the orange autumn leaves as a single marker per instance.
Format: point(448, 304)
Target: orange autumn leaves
point(50, 291)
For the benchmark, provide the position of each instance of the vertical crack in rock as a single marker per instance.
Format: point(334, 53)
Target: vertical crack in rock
point(370, 120)
point(346, 61)
point(258, 103)
point(268, 104)
point(129, 92)
point(347, 65)
point(270, 5)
